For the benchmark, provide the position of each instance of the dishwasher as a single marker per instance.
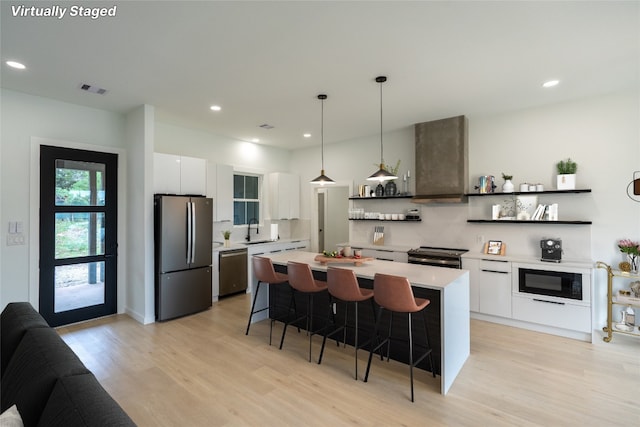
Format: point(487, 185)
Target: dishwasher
point(232, 271)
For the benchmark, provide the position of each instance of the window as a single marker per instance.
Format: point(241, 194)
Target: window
point(246, 200)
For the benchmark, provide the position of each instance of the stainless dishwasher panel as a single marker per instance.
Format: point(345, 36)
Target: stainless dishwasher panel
point(233, 271)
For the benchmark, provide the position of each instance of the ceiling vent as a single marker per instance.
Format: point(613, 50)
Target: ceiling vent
point(266, 126)
point(93, 89)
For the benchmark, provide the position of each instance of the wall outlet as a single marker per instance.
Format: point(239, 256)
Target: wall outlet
point(15, 239)
point(480, 239)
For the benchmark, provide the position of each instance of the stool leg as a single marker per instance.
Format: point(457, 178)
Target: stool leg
point(310, 322)
point(271, 320)
point(326, 330)
point(356, 336)
point(426, 334)
point(374, 348)
point(253, 306)
point(411, 355)
point(284, 330)
point(390, 333)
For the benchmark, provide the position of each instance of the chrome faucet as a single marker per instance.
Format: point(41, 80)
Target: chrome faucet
point(251, 221)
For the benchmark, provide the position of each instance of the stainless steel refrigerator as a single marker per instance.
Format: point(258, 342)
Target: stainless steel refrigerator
point(182, 236)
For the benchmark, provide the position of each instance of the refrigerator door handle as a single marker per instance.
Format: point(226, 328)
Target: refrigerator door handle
point(189, 232)
point(193, 232)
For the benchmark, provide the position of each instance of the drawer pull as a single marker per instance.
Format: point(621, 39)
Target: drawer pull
point(548, 302)
point(495, 271)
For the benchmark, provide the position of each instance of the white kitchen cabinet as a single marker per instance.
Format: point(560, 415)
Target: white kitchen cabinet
point(223, 200)
point(489, 286)
point(284, 196)
point(546, 311)
point(166, 173)
point(193, 176)
point(173, 174)
point(494, 288)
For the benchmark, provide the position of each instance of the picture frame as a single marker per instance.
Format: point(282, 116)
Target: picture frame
point(495, 247)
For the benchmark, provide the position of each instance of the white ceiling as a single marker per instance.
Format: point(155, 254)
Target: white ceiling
point(265, 62)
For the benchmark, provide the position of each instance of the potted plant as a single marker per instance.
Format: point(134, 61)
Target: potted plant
point(566, 179)
point(226, 234)
point(507, 187)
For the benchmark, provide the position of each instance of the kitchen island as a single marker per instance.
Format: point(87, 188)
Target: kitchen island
point(448, 290)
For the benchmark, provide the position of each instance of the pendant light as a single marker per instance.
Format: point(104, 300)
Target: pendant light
point(322, 179)
point(382, 174)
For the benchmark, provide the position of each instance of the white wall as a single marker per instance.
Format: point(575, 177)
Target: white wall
point(140, 289)
point(243, 156)
point(601, 134)
point(23, 117)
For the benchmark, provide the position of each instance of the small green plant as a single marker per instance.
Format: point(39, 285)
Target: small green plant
point(506, 177)
point(566, 167)
point(226, 234)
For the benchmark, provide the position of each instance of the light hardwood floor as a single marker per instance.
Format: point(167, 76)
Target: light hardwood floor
point(202, 370)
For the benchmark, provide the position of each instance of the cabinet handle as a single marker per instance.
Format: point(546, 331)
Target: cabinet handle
point(493, 260)
point(495, 271)
point(548, 302)
point(384, 259)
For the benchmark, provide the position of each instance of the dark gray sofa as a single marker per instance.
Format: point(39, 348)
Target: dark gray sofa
point(45, 379)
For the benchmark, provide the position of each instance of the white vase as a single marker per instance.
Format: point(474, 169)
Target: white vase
point(227, 243)
point(507, 187)
point(566, 182)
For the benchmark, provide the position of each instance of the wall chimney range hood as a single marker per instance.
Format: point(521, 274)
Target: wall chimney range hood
point(442, 172)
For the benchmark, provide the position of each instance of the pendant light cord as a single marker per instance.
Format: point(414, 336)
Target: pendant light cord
point(322, 131)
point(381, 145)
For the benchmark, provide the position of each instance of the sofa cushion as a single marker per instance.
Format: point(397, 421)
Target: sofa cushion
point(15, 320)
point(39, 360)
point(80, 400)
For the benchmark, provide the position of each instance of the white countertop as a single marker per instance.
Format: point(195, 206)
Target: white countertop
point(418, 275)
point(568, 262)
point(377, 247)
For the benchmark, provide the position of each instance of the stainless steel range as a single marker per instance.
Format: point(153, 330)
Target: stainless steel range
point(439, 257)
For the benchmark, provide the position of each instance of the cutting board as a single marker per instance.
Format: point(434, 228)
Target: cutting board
point(324, 260)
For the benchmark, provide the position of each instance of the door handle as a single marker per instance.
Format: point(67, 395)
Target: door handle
point(189, 233)
point(193, 232)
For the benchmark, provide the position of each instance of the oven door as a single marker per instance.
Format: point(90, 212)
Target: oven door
point(552, 283)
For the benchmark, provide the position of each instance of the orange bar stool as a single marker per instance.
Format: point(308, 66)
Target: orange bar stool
point(394, 294)
point(301, 280)
point(343, 285)
point(265, 273)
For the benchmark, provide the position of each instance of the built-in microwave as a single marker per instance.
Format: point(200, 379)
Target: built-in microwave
point(562, 284)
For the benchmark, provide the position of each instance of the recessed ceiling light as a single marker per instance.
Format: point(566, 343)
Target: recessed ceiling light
point(16, 65)
point(551, 83)
point(255, 140)
point(307, 135)
point(215, 108)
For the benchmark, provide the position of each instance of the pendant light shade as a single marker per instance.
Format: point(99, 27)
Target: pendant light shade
point(381, 174)
point(322, 179)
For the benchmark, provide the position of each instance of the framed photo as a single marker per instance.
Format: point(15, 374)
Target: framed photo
point(495, 247)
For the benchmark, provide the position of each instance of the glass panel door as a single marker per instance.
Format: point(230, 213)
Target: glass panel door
point(78, 191)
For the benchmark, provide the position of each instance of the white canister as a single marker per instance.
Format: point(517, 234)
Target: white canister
point(532, 187)
point(524, 187)
point(539, 187)
point(346, 251)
